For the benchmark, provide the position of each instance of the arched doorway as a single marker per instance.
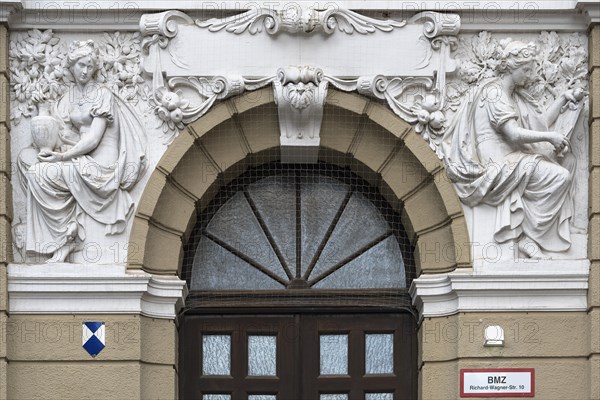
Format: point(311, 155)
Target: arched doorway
point(298, 278)
point(362, 136)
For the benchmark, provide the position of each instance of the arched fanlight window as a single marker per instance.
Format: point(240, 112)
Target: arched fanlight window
point(297, 227)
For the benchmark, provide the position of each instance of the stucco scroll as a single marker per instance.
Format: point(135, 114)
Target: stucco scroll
point(340, 44)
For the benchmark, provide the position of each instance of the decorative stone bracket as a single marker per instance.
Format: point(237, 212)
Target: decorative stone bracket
point(300, 95)
point(403, 62)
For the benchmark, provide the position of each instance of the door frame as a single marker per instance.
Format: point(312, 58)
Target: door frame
point(305, 321)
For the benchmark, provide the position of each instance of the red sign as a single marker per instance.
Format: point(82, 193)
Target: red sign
point(497, 382)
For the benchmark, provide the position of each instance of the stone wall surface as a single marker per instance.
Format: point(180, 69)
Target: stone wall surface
point(5, 202)
point(594, 214)
point(46, 358)
point(543, 341)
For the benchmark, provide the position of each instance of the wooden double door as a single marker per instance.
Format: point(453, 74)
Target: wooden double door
point(298, 356)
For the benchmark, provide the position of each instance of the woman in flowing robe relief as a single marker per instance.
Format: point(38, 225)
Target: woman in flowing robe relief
point(500, 152)
point(92, 178)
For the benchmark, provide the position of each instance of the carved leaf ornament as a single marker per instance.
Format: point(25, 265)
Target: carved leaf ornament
point(422, 111)
point(39, 73)
point(299, 19)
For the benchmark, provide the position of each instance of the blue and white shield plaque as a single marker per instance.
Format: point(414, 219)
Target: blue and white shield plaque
point(93, 337)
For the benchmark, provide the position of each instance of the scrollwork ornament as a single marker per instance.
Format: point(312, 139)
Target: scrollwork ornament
point(450, 41)
point(423, 110)
point(350, 22)
point(163, 24)
point(253, 21)
point(174, 110)
point(373, 86)
point(437, 24)
point(299, 19)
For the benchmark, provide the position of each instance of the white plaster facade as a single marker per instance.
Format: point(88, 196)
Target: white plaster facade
point(98, 280)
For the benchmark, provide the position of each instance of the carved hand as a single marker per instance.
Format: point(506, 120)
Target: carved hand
point(559, 141)
point(50, 156)
point(575, 95)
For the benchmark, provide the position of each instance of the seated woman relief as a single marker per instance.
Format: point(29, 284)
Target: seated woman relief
point(503, 149)
point(90, 153)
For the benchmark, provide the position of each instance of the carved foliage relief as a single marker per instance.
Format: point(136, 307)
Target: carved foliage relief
point(560, 64)
point(39, 72)
point(159, 85)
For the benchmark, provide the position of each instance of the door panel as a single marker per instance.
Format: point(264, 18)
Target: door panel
point(390, 374)
point(298, 356)
point(201, 359)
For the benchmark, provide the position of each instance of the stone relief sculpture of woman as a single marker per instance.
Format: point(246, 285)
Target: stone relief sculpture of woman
point(102, 156)
point(500, 151)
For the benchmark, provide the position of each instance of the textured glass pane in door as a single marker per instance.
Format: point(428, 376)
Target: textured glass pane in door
point(216, 354)
point(379, 396)
point(262, 355)
point(333, 396)
point(216, 397)
point(333, 354)
point(379, 353)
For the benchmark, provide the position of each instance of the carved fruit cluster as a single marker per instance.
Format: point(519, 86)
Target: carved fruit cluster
point(431, 121)
point(168, 107)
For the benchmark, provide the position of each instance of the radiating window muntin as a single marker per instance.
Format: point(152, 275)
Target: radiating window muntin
point(283, 227)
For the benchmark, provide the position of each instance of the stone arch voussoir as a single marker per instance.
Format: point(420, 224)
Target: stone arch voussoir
point(366, 136)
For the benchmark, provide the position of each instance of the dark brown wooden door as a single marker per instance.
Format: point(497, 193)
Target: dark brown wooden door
point(215, 353)
point(298, 357)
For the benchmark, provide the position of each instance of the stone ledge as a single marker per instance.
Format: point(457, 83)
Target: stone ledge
point(549, 285)
point(123, 15)
point(92, 289)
